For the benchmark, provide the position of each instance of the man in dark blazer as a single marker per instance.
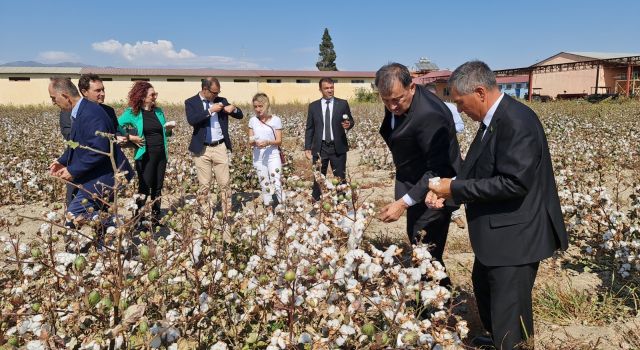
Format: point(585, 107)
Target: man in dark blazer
point(512, 205)
point(90, 170)
point(91, 88)
point(419, 131)
point(209, 114)
point(324, 140)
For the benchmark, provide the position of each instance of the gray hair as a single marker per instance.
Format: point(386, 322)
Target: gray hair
point(388, 74)
point(64, 85)
point(470, 75)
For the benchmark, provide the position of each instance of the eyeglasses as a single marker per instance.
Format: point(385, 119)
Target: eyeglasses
point(214, 92)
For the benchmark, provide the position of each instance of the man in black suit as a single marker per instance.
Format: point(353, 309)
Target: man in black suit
point(419, 131)
point(209, 114)
point(512, 205)
point(91, 88)
point(325, 137)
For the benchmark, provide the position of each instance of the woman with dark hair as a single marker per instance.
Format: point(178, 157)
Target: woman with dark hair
point(148, 121)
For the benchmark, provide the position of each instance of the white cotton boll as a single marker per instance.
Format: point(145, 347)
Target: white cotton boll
point(36, 345)
point(347, 330)
point(172, 316)
point(45, 228)
point(52, 216)
point(333, 324)
point(352, 283)
point(219, 346)
point(231, 274)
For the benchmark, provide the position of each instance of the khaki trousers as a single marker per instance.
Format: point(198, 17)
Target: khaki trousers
point(214, 159)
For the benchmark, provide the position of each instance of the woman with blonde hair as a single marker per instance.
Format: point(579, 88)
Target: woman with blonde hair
point(265, 135)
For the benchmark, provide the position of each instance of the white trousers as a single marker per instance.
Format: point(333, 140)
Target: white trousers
point(269, 168)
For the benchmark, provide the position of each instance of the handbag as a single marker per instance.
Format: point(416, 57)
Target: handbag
point(283, 158)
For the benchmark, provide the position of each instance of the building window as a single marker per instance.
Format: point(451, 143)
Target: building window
point(303, 81)
point(175, 79)
point(240, 80)
point(509, 86)
point(518, 86)
point(274, 81)
point(334, 81)
point(19, 78)
point(106, 79)
point(357, 81)
point(139, 79)
point(445, 92)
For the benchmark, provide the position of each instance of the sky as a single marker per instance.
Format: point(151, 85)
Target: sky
point(285, 35)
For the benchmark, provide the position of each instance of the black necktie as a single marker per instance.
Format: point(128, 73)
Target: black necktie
point(479, 134)
point(327, 123)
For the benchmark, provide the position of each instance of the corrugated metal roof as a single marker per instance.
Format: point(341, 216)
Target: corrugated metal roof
point(40, 70)
point(513, 79)
point(432, 76)
point(604, 55)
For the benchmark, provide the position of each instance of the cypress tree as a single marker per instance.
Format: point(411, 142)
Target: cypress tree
point(327, 58)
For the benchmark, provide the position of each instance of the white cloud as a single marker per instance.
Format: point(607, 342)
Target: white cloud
point(162, 53)
point(56, 56)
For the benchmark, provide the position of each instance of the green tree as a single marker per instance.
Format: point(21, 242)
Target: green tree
point(327, 59)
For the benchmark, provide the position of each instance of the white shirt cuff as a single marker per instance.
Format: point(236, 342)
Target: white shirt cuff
point(408, 200)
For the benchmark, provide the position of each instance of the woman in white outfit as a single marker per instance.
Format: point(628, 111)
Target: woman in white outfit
point(265, 135)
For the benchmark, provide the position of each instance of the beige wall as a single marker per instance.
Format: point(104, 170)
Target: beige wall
point(35, 90)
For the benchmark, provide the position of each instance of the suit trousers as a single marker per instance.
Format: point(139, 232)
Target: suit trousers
point(338, 165)
point(80, 209)
point(214, 159)
point(151, 169)
point(435, 224)
point(503, 296)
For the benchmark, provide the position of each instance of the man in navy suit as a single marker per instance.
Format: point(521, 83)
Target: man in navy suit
point(91, 171)
point(325, 136)
point(506, 182)
point(209, 114)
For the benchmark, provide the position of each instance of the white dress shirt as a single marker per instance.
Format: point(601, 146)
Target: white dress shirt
point(324, 110)
point(214, 133)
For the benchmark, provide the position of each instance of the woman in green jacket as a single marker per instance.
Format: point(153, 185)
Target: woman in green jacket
point(149, 122)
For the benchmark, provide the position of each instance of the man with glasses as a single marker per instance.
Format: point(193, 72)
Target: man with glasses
point(419, 131)
point(209, 114)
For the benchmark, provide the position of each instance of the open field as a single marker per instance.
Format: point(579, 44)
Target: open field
point(330, 280)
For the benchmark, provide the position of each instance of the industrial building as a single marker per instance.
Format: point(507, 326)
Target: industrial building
point(28, 85)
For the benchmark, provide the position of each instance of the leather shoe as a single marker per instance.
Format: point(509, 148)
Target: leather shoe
point(481, 342)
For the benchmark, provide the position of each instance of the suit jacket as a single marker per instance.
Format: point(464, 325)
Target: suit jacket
point(198, 117)
point(507, 183)
point(65, 120)
point(315, 126)
point(88, 167)
point(423, 144)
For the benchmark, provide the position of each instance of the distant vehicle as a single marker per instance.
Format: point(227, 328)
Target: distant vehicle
point(538, 97)
point(595, 98)
point(565, 96)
